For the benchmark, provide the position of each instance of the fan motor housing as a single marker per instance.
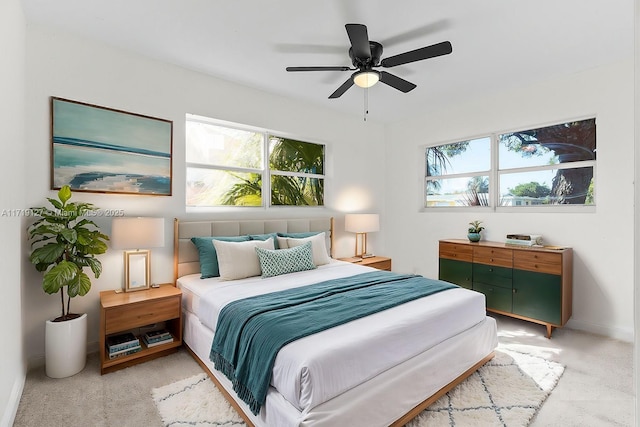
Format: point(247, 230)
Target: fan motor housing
point(376, 53)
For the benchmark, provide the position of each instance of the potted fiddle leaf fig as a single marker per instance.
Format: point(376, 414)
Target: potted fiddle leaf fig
point(64, 243)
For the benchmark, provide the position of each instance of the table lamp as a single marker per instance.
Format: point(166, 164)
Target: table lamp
point(137, 235)
point(361, 224)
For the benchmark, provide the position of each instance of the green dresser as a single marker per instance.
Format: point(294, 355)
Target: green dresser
point(533, 284)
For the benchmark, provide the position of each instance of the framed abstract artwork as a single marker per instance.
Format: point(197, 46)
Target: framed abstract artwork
point(102, 150)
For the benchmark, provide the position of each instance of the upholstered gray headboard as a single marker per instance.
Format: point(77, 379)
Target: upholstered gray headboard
point(186, 255)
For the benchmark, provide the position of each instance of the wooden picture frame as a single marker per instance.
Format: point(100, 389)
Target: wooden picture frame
point(103, 150)
point(137, 270)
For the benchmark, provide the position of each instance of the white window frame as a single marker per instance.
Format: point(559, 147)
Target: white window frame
point(265, 171)
point(495, 174)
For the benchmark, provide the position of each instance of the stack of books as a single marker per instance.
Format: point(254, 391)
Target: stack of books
point(524, 240)
point(122, 345)
point(154, 338)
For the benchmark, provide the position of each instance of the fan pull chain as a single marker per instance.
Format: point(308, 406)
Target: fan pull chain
point(366, 103)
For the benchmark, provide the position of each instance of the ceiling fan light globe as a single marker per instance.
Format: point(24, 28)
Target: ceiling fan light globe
point(366, 79)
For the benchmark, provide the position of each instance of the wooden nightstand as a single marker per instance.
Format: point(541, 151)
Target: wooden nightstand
point(379, 262)
point(123, 312)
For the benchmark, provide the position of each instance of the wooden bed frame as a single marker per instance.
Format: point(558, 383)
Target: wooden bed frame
point(186, 261)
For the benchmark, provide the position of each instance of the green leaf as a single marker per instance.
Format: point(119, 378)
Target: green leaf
point(80, 285)
point(47, 254)
point(59, 276)
point(69, 234)
point(55, 203)
point(96, 266)
point(64, 194)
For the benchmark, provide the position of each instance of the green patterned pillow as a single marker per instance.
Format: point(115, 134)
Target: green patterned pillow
point(283, 261)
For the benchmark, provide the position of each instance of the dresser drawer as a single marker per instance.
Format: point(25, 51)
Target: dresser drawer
point(492, 275)
point(142, 313)
point(493, 256)
point(456, 251)
point(543, 262)
point(454, 271)
point(497, 298)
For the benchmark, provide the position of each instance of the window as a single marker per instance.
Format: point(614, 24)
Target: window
point(458, 174)
point(226, 166)
point(297, 172)
point(552, 165)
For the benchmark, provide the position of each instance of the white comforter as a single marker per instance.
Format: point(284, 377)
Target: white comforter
point(316, 368)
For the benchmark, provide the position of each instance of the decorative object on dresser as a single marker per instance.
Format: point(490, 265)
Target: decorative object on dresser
point(361, 224)
point(474, 230)
point(123, 314)
point(64, 242)
point(137, 233)
point(527, 283)
point(379, 262)
point(524, 239)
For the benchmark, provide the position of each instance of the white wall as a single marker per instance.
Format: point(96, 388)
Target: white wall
point(602, 240)
point(12, 119)
point(78, 69)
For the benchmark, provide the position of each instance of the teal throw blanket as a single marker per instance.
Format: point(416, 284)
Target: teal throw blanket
point(251, 331)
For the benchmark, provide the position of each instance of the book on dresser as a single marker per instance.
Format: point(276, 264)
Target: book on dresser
point(524, 239)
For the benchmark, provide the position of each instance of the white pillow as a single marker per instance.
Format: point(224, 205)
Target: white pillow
point(318, 247)
point(282, 242)
point(238, 260)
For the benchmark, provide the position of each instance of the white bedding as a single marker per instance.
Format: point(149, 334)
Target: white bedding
point(315, 369)
point(376, 403)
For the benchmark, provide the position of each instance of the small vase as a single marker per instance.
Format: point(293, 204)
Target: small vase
point(473, 237)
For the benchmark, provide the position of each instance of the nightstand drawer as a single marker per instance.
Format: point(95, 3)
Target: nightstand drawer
point(142, 313)
point(381, 265)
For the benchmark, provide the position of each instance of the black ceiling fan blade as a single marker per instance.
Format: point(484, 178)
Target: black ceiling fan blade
point(396, 82)
point(338, 68)
point(439, 49)
point(342, 89)
point(359, 40)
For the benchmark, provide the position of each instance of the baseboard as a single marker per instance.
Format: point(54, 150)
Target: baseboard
point(608, 331)
point(11, 410)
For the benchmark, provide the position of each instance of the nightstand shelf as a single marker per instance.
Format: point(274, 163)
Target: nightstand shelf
point(123, 312)
point(379, 262)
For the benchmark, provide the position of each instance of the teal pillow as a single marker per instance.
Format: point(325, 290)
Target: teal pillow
point(208, 256)
point(284, 261)
point(264, 237)
point(299, 235)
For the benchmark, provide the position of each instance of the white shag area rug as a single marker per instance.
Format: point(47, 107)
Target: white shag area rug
point(506, 392)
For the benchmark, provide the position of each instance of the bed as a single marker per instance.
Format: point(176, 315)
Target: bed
point(378, 370)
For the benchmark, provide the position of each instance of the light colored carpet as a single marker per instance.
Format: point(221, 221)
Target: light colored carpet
point(507, 391)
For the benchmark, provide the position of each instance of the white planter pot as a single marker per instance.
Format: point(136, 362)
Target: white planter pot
point(65, 347)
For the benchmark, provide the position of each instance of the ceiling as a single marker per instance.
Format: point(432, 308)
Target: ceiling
point(498, 45)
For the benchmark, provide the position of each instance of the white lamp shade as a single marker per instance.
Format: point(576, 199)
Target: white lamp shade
point(362, 223)
point(137, 233)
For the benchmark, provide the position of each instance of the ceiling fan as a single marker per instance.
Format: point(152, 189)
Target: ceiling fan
point(365, 56)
